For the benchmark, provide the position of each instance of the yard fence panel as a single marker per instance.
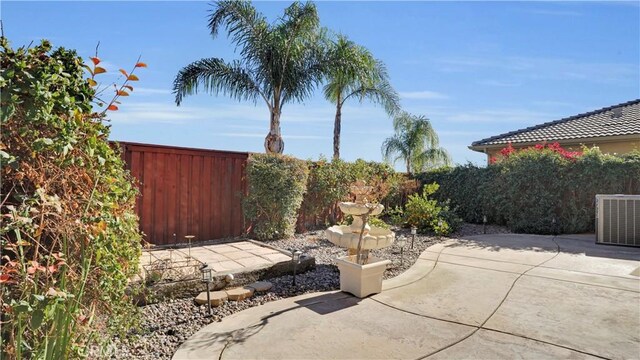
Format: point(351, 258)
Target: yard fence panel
point(186, 191)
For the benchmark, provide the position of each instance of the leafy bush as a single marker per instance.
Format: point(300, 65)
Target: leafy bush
point(395, 216)
point(69, 233)
point(329, 183)
point(276, 186)
point(461, 186)
point(543, 189)
point(427, 214)
point(534, 189)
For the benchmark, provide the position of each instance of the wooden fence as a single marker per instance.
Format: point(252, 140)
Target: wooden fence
point(187, 192)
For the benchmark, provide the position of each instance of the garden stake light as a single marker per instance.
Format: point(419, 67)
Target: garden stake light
point(189, 238)
point(295, 258)
point(401, 242)
point(206, 278)
point(484, 224)
point(414, 231)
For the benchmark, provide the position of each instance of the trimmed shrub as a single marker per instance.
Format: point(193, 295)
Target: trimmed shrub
point(429, 215)
point(69, 236)
point(533, 186)
point(329, 183)
point(544, 189)
point(276, 186)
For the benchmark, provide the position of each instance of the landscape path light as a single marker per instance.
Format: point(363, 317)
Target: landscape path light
point(295, 258)
point(401, 243)
point(207, 277)
point(189, 238)
point(484, 224)
point(414, 231)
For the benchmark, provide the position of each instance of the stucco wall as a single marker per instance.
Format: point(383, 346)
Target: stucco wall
point(608, 147)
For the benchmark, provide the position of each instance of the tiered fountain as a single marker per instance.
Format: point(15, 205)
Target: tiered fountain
point(361, 273)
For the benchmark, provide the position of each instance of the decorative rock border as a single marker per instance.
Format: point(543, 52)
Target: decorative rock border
point(218, 298)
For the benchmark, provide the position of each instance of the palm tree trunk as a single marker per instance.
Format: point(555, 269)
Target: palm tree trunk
point(273, 143)
point(408, 166)
point(336, 130)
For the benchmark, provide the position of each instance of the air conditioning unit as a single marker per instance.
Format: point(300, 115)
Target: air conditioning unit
point(618, 219)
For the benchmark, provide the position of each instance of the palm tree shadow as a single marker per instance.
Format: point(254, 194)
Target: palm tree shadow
point(217, 342)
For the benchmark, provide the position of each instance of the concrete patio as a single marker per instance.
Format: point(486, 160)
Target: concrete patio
point(222, 258)
point(485, 297)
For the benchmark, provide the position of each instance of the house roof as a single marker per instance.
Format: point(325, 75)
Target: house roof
point(616, 120)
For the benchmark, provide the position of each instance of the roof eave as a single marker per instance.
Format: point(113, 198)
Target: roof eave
point(577, 141)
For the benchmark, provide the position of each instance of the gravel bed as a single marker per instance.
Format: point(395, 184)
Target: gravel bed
point(166, 325)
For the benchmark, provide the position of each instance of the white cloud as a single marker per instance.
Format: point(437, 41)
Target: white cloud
point(422, 95)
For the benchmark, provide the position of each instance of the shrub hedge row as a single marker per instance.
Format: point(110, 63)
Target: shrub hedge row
point(282, 188)
point(539, 190)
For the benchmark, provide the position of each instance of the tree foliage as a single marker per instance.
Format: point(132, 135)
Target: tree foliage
point(279, 63)
point(415, 142)
point(353, 72)
point(69, 232)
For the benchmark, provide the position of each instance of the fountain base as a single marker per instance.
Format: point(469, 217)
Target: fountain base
point(361, 280)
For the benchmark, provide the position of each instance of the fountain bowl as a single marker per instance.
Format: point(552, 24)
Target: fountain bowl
point(377, 238)
point(355, 209)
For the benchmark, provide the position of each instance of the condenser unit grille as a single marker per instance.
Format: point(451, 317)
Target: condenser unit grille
point(618, 219)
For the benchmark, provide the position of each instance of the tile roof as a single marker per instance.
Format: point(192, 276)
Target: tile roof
point(621, 119)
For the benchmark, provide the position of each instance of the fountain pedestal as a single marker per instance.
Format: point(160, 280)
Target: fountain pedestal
point(361, 280)
point(364, 279)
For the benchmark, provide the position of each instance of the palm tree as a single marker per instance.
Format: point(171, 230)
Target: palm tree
point(416, 142)
point(280, 62)
point(354, 72)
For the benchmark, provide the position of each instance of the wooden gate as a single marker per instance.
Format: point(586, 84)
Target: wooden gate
point(187, 192)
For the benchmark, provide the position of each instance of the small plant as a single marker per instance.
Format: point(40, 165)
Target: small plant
point(377, 222)
point(396, 216)
point(373, 221)
point(427, 214)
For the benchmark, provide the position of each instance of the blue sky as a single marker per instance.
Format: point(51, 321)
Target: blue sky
point(475, 69)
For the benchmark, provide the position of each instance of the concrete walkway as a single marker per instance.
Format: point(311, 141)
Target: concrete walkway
point(486, 297)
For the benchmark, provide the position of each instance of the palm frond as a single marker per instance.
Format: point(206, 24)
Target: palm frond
point(240, 18)
point(215, 76)
point(382, 94)
point(393, 146)
point(431, 158)
point(419, 140)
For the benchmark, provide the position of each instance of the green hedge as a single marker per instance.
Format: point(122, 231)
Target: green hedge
point(329, 183)
point(537, 190)
point(276, 186)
